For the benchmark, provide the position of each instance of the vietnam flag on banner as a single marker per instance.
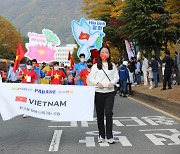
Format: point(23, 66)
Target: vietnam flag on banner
point(19, 55)
point(71, 60)
point(21, 99)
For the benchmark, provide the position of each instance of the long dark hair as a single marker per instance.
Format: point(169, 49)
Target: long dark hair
point(99, 62)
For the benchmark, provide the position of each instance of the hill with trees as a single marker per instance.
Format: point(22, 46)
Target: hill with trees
point(35, 15)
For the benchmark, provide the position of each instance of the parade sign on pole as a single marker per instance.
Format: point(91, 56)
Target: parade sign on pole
point(129, 49)
point(88, 34)
point(49, 102)
point(42, 46)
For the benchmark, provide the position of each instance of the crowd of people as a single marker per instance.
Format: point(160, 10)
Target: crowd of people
point(132, 71)
point(104, 75)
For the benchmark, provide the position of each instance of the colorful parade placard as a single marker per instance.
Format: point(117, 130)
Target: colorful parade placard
point(88, 34)
point(42, 46)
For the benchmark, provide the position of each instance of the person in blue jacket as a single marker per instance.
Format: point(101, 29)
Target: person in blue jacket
point(39, 72)
point(123, 77)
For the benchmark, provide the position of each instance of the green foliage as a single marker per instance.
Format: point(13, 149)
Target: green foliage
point(9, 38)
point(147, 23)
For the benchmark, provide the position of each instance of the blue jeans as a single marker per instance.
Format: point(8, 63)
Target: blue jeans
point(155, 77)
point(123, 87)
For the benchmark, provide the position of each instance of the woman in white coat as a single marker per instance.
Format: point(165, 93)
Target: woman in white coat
point(104, 76)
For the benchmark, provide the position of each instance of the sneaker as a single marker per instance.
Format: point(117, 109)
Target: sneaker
point(101, 140)
point(111, 141)
point(124, 95)
point(150, 87)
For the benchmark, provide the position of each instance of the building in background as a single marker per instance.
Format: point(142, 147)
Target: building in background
point(62, 53)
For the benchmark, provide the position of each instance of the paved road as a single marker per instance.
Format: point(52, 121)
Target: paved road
point(137, 130)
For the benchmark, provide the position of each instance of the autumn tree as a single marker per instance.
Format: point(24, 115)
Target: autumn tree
point(147, 23)
point(108, 11)
point(9, 38)
point(173, 7)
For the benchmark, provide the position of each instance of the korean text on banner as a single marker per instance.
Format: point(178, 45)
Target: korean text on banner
point(49, 102)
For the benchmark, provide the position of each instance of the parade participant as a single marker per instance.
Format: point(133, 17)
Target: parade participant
point(123, 77)
point(56, 74)
point(85, 72)
point(70, 78)
point(78, 68)
point(3, 75)
point(104, 76)
point(168, 69)
point(28, 75)
point(45, 68)
point(39, 72)
point(12, 77)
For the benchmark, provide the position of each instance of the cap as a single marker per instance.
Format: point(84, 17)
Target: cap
point(125, 63)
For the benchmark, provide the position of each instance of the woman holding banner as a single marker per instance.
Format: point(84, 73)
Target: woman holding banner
point(104, 76)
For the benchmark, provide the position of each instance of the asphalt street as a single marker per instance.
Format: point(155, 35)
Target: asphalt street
point(137, 130)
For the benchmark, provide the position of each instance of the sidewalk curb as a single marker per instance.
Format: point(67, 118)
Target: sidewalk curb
point(163, 104)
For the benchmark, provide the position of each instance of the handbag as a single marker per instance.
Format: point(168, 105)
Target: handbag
point(115, 87)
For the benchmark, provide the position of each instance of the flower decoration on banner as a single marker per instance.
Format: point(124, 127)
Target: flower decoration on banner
point(88, 34)
point(42, 46)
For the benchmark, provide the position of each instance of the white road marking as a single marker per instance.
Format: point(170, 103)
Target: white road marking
point(168, 114)
point(124, 141)
point(105, 144)
point(89, 142)
point(55, 141)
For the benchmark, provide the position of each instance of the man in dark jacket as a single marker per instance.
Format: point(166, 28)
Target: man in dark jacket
point(169, 63)
point(132, 68)
point(123, 76)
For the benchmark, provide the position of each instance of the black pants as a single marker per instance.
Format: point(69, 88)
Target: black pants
point(104, 103)
point(167, 79)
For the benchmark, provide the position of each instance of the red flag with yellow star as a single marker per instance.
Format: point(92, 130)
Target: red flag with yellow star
point(71, 60)
point(19, 55)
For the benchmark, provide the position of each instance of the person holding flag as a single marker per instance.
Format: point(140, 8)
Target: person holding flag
point(12, 77)
point(28, 75)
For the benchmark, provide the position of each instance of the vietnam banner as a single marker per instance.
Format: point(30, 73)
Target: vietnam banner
point(49, 102)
